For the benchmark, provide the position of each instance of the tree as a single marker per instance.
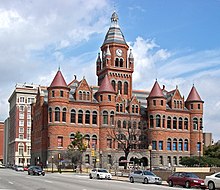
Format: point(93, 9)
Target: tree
point(129, 138)
point(76, 149)
point(212, 151)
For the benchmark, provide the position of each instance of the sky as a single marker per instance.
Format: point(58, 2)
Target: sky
point(175, 42)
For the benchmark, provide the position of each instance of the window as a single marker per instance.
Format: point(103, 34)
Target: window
point(180, 145)
point(94, 117)
point(21, 136)
point(116, 62)
point(117, 107)
point(151, 121)
point(28, 150)
point(126, 88)
point(105, 117)
point(87, 141)
point(21, 115)
point(88, 95)
point(121, 108)
point(164, 120)
point(73, 116)
point(201, 125)
point(101, 98)
point(169, 160)
point(21, 149)
point(154, 102)
point(199, 106)
point(161, 102)
point(174, 123)
point(121, 62)
point(64, 115)
point(154, 145)
point(120, 87)
point(180, 123)
point(110, 159)
point(186, 124)
point(84, 95)
point(174, 103)
point(80, 95)
point(175, 145)
point(21, 129)
point(53, 93)
point(80, 116)
point(21, 123)
point(198, 146)
point(168, 122)
point(60, 141)
point(160, 145)
point(191, 106)
point(21, 108)
point(186, 145)
point(61, 93)
point(158, 121)
point(109, 98)
point(29, 133)
point(57, 114)
point(132, 108)
point(168, 144)
point(119, 124)
point(175, 160)
point(87, 119)
point(161, 160)
point(30, 100)
point(195, 123)
point(94, 141)
point(113, 84)
point(72, 136)
point(28, 116)
point(109, 143)
point(22, 100)
point(136, 108)
point(112, 118)
point(124, 124)
point(87, 158)
point(50, 114)
point(29, 108)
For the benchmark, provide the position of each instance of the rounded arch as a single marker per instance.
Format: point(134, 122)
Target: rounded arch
point(126, 88)
point(122, 161)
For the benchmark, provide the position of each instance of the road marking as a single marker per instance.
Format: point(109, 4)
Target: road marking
point(48, 181)
point(11, 182)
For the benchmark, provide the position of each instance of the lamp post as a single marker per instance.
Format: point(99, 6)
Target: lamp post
point(150, 149)
point(52, 163)
point(100, 158)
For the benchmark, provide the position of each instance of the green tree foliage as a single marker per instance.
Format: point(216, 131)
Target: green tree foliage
point(212, 151)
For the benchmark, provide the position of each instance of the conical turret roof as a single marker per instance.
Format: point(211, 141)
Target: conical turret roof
point(106, 86)
point(58, 80)
point(156, 91)
point(193, 95)
point(114, 33)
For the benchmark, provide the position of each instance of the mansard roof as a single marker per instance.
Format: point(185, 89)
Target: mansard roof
point(114, 33)
point(193, 95)
point(58, 80)
point(106, 86)
point(156, 91)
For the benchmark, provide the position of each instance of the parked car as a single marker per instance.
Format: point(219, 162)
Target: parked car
point(144, 176)
point(185, 179)
point(99, 173)
point(213, 181)
point(35, 170)
point(19, 168)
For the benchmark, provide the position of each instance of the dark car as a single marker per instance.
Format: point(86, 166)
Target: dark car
point(35, 170)
point(185, 179)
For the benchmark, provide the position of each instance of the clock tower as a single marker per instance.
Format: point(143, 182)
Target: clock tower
point(116, 60)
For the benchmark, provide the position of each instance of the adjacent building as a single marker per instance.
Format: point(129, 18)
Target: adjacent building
point(165, 126)
point(1, 141)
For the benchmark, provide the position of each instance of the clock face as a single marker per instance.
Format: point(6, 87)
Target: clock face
point(118, 52)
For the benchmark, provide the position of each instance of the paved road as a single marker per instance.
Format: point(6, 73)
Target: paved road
point(12, 180)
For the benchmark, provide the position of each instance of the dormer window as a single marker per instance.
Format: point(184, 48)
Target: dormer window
point(109, 98)
point(61, 93)
point(53, 94)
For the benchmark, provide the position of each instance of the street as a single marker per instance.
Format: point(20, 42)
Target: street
point(12, 180)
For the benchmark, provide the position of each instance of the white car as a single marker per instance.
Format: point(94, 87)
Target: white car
point(19, 168)
point(213, 181)
point(99, 173)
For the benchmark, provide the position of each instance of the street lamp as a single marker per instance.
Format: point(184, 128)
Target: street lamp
point(52, 163)
point(150, 149)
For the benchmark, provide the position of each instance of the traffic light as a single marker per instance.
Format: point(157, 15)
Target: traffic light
point(92, 153)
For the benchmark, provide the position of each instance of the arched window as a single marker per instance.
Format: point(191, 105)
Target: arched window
point(120, 87)
point(116, 62)
point(174, 123)
point(168, 122)
point(84, 95)
point(124, 124)
point(195, 123)
point(180, 123)
point(178, 106)
point(158, 121)
point(72, 136)
point(121, 108)
point(169, 144)
point(87, 140)
point(175, 144)
point(117, 107)
point(50, 114)
point(64, 115)
point(132, 108)
point(94, 141)
point(57, 114)
point(151, 121)
point(80, 95)
point(73, 116)
point(164, 120)
point(175, 160)
point(181, 105)
point(136, 108)
point(174, 103)
point(113, 84)
point(105, 117)
point(121, 62)
point(112, 114)
point(186, 144)
point(87, 118)
point(186, 123)
point(94, 117)
point(88, 96)
point(180, 145)
point(80, 116)
point(119, 124)
point(126, 88)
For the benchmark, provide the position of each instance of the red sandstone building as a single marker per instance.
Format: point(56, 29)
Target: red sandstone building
point(170, 124)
